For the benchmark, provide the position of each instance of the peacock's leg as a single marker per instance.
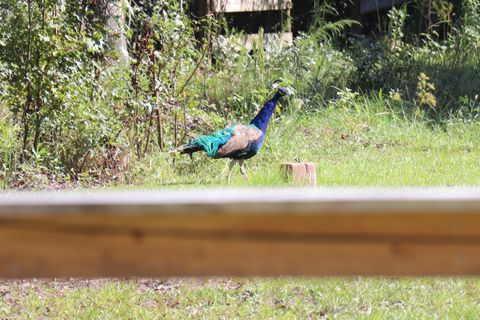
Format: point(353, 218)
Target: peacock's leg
point(243, 171)
point(230, 167)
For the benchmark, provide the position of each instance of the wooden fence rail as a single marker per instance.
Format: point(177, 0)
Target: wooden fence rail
point(240, 233)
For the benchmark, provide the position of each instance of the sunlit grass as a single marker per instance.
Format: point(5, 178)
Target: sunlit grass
point(350, 148)
point(285, 298)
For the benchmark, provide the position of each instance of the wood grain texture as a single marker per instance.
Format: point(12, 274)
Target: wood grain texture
point(241, 233)
point(249, 5)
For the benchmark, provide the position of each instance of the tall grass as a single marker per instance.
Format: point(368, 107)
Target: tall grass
point(355, 141)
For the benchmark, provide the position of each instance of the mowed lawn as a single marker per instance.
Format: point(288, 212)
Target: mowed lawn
point(285, 298)
point(350, 149)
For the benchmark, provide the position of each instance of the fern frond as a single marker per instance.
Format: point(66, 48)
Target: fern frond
point(324, 30)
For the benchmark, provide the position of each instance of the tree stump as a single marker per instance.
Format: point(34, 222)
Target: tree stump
point(304, 173)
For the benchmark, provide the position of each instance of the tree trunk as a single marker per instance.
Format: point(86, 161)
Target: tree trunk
point(112, 15)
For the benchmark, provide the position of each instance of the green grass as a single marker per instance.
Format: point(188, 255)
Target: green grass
point(286, 298)
point(350, 148)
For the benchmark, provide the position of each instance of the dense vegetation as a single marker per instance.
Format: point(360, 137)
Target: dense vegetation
point(74, 110)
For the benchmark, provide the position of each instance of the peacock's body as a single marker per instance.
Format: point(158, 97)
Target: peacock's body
point(238, 142)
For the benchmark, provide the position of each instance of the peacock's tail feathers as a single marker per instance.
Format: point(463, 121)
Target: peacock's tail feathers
point(211, 143)
point(187, 149)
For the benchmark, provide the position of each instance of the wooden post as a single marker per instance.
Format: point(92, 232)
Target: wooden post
point(301, 173)
point(286, 20)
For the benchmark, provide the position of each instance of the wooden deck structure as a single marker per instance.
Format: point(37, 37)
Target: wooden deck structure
point(278, 232)
point(227, 7)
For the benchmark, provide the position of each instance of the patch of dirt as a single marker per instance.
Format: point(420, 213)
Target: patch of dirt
point(22, 288)
point(10, 288)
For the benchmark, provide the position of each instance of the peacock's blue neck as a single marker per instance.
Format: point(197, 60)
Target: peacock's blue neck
point(263, 117)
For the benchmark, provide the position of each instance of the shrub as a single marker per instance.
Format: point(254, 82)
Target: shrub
point(394, 61)
point(49, 61)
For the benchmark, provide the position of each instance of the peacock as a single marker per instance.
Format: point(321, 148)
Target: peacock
point(238, 142)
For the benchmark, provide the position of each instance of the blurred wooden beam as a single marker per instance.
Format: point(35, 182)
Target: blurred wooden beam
point(229, 6)
point(241, 233)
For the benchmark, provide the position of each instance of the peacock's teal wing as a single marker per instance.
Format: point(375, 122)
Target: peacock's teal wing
point(211, 143)
point(229, 141)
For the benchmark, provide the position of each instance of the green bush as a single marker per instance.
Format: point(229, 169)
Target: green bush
point(395, 62)
point(49, 83)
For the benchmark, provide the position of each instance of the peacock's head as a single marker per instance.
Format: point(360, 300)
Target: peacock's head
point(282, 91)
point(281, 88)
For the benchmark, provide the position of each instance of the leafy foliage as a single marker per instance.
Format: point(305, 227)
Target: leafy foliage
point(325, 29)
point(425, 92)
point(48, 56)
point(395, 61)
point(164, 55)
point(72, 109)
